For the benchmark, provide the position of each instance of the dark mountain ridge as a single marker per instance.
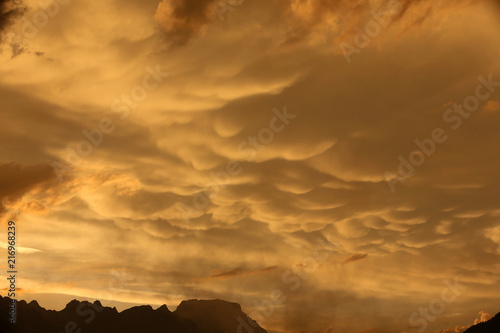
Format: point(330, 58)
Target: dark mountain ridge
point(490, 326)
point(193, 316)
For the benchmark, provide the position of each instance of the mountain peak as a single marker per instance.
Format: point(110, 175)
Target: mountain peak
point(164, 308)
point(217, 316)
point(193, 316)
point(34, 303)
point(72, 305)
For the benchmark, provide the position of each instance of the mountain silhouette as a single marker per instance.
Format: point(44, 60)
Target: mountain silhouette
point(193, 316)
point(490, 326)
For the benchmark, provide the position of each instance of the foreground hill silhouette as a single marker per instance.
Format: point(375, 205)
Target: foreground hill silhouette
point(490, 326)
point(193, 316)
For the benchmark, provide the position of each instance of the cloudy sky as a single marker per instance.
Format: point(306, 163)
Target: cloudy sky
point(342, 154)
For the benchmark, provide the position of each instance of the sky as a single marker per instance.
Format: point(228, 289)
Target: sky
point(331, 165)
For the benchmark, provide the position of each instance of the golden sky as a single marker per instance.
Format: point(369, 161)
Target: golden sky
point(155, 151)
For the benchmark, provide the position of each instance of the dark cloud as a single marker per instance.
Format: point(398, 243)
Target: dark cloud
point(9, 9)
point(236, 272)
point(183, 19)
point(16, 180)
point(355, 257)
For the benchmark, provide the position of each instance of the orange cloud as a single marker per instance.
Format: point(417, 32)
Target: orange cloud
point(18, 179)
point(183, 19)
point(355, 257)
point(236, 272)
point(492, 107)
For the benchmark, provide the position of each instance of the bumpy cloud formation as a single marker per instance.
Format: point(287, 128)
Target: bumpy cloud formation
point(230, 176)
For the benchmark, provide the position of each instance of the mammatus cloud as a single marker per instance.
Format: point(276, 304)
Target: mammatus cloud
point(318, 177)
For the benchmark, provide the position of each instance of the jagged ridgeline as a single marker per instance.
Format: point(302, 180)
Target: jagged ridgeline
point(193, 316)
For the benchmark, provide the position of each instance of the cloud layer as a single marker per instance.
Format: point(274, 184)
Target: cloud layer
point(226, 177)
